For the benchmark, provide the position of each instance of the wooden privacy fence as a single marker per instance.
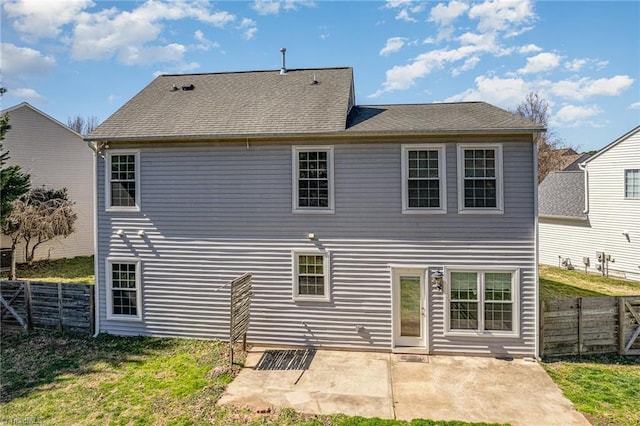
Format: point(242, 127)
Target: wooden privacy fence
point(58, 306)
point(590, 325)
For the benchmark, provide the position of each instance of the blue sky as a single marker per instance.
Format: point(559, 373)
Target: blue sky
point(84, 57)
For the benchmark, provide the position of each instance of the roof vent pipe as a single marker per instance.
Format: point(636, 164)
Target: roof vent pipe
point(283, 70)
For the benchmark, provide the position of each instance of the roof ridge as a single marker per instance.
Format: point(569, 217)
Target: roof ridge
point(254, 71)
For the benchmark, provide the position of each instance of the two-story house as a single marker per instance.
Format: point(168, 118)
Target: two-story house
point(590, 217)
point(388, 227)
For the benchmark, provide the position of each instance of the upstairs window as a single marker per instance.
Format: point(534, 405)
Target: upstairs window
point(122, 187)
point(423, 179)
point(632, 183)
point(313, 179)
point(480, 178)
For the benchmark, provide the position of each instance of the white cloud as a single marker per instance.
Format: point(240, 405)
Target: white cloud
point(392, 4)
point(403, 15)
point(204, 43)
point(584, 88)
point(573, 115)
point(502, 15)
point(635, 105)
point(324, 32)
point(541, 62)
point(266, 7)
point(34, 20)
point(393, 45)
point(113, 98)
point(575, 64)
point(249, 27)
point(495, 20)
point(27, 93)
point(406, 9)
point(180, 68)
point(505, 92)
point(19, 61)
point(529, 48)
point(468, 65)
point(445, 14)
point(173, 52)
point(272, 7)
point(126, 34)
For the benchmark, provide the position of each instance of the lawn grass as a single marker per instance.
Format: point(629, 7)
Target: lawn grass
point(605, 388)
point(75, 270)
point(558, 283)
point(59, 379)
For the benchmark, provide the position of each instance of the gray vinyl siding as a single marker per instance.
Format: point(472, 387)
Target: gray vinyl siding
point(214, 212)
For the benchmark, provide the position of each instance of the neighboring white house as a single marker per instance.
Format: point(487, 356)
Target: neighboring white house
point(590, 218)
point(57, 157)
point(347, 215)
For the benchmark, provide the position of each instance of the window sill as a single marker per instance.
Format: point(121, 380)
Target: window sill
point(126, 318)
point(123, 209)
point(306, 299)
point(485, 334)
point(423, 211)
point(313, 211)
point(481, 211)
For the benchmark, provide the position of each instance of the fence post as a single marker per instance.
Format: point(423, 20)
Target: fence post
point(541, 331)
point(28, 305)
point(92, 312)
point(621, 315)
point(580, 327)
point(60, 325)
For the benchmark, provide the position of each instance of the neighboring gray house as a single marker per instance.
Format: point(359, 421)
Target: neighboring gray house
point(56, 156)
point(342, 213)
point(593, 210)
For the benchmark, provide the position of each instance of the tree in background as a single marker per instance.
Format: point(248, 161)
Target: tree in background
point(82, 125)
point(37, 217)
point(551, 149)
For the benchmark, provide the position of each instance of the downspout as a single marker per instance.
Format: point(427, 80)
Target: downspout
point(536, 250)
point(95, 147)
point(583, 167)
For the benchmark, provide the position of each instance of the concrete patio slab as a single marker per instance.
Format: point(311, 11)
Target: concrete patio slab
point(385, 385)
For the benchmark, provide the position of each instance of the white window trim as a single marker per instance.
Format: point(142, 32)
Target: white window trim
point(330, 165)
point(109, 289)
point(626, 197)
point(499, 209)
point(107, 178)
point(326, 255)
point(515, 289)
point(442, 177)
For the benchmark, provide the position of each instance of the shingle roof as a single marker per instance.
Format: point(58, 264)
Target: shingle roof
point(561, 194)
point(266, 103)
point(436, 118)
point(238, 103)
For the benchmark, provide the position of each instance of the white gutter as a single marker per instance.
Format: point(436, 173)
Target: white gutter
point(96, 288)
